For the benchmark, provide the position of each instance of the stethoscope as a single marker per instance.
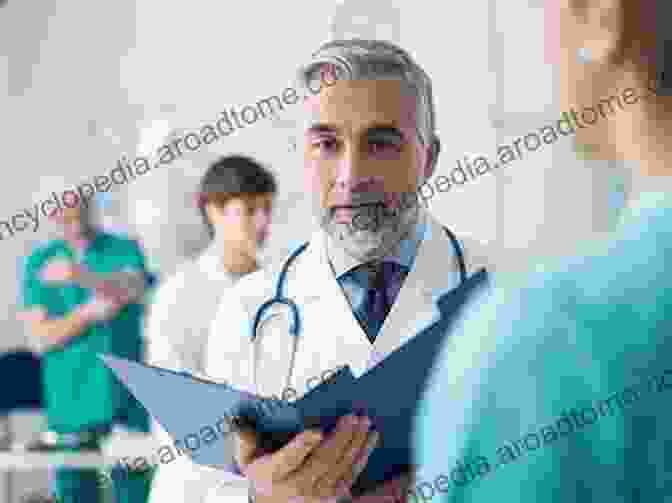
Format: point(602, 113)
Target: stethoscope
point(295, 326)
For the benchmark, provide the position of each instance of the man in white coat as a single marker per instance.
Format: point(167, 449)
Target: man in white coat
point(235, 200)
point(371, 277)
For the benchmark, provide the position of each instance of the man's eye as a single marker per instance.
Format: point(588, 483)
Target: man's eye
point(328, 144)
point(383, 147)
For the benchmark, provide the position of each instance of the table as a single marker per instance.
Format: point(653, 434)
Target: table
point(113, 450)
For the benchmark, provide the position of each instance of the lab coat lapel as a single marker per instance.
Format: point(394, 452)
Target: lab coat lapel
point(435, 272)
point(331, 335)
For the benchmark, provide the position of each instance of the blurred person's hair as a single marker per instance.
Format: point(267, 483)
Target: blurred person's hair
point(360, 59)
point(640, 49)
point(232, 177)
point(640, 41)
point(643, 45)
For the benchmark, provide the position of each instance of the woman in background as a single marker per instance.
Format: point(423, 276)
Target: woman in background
point(559, 389)
point(235, 200)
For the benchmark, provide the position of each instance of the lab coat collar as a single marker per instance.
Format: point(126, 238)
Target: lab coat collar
point(311, 284)
point(435, 273)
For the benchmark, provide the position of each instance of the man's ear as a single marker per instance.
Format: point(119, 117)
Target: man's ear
point(431, 159)
point(213, 212)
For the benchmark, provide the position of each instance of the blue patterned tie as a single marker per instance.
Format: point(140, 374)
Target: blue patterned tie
point(383, 283)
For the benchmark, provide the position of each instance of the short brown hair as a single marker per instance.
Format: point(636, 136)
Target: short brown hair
point(232, 177)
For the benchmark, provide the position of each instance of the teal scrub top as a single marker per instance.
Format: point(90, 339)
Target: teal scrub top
point(561, 390)
point(80, 392)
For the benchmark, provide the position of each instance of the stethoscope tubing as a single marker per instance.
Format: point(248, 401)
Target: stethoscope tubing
point(295, 326)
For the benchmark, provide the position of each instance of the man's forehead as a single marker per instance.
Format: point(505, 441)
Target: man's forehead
point(359, 103)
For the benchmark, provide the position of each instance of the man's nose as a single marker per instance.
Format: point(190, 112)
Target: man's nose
point(353, 175)
point(263, 220)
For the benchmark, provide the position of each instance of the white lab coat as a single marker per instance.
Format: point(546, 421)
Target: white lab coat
point(177, 334)
point(330, 335)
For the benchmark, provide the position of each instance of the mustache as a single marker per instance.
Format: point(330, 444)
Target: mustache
point(360, 199)
point(363, 206)
point(370, 217)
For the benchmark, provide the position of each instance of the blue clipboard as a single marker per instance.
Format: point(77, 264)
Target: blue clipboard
point(197, 412)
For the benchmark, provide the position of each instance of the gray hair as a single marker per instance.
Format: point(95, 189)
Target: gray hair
point(375, 59)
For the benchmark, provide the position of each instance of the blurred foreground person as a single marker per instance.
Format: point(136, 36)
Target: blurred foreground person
point(83, 295)
point(235, 200)
point(559, 390)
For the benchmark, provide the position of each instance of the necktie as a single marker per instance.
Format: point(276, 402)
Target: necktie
point(383, 283)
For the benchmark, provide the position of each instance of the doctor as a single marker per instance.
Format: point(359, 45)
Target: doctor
point(357, 291)
point(235, 200)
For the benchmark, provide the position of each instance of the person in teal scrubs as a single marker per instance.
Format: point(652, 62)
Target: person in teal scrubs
point(83, 295)
point(558, 388)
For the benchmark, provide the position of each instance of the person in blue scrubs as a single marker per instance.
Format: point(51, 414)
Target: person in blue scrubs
point(557, 389)
point(83, 295)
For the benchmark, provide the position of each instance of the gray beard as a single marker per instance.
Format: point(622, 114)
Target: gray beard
point(374, 232)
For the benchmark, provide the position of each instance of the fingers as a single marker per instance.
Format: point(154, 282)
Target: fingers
point(360, 463)
point(363, 458)
point(32, 316)
point(108, 289)
point(325, 459)
point(355, 453)
point(55, 270)
point(309, 467)
point(327, 455)
point(246, 446)
point(279, 465)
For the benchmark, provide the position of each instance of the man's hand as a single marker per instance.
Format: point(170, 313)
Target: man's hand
point(100, 309)
point(60, 271)
point(109, 289)
point(123, 286)
point(310, 467)
point(54, 332)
